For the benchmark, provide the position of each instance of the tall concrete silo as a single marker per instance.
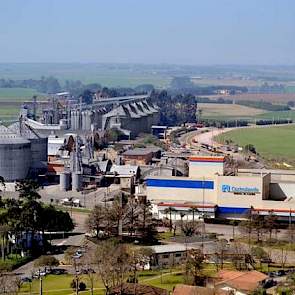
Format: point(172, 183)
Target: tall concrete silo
point(15, 157)
point(76, 181)
point(64, 183)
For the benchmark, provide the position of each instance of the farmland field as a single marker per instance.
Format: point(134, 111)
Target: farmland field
point(273, 98)
point(227, 82)
point(11, 100)
point(275, 144)
point(278, 115)
point(228, 111)
point(17, 94)
point(110, 75)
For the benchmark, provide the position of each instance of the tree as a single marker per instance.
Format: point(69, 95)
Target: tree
point(193, 210)
point(46, 261)
point(28, 190)
point(259, 253)
point(112, 260)
point(169, 211)
point(2, 185)
point(270, 223)
point(131, 216)
point(194, 266)
point(113, 135)
point(190, 228)
point(138, 257)
point(96, 219)
point(221, 247)
point(239, 256)
point(146, 225)
point(89, 266)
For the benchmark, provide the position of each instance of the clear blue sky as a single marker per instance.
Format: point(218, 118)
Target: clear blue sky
point(148, 31)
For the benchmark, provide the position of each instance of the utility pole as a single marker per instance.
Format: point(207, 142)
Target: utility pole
point(203, 214)
point(41, 284)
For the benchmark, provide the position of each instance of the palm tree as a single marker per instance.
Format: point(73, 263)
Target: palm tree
point(169, 211)
point(181, 217)
point(193, 210)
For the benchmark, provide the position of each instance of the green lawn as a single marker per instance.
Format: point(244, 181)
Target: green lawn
point(60, 284)
point(275, 144)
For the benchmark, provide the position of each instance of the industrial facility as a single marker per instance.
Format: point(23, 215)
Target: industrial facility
point(129, 114)
point(211, 190)
point(23, 152)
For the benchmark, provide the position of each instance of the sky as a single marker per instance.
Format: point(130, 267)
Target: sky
point(196, 32)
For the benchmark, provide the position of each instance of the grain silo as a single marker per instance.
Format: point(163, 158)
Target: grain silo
point(15, 156)
point(39, 144)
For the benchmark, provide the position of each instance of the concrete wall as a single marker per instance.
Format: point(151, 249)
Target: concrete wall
point(181, 189)
point(206, 166)
point(242, 192)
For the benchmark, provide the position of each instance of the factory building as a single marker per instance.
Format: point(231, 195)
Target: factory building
point(129, 114)
point(23, 152)
point(210, 192)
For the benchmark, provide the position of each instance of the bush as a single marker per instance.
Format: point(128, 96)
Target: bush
point(82, 286)
point(44, 260)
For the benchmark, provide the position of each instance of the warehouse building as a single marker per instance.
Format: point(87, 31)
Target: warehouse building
point(209, 192)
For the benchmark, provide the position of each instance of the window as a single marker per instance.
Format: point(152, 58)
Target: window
point(165, 256)
point(178, 255)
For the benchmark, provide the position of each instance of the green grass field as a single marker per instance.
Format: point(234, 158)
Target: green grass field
point(277, 115)
point(275, 144)
point(60, 284)
point(11, 100)
point(17, 94)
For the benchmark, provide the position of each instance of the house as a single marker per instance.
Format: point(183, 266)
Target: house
point(125, 175)
point(239, 282)
point(137, 289)
point(138, 156)
point(182, 289)
point(169, 255)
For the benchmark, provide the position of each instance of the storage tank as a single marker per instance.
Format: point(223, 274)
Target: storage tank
point(15, 157)
point(78, 120)
point(73, 120)
point(76, 181)
point(39, 144)
point(64, 181)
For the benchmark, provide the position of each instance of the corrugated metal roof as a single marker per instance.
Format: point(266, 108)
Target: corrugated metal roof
point(170, 248)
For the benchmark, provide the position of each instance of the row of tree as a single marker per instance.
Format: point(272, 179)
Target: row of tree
point(130, 216)
point(24, 221)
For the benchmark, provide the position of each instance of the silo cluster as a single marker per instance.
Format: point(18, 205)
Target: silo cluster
point(22, 152)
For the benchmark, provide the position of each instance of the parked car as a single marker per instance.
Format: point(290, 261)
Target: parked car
point(269, 283)
point(26, 280)
point(58, 271)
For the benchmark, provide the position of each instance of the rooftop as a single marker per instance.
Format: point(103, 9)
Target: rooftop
point(246, 281)
point(139, 152)
point(125, 169)
point(137, 289)
point(195, 290)
point(170, 248)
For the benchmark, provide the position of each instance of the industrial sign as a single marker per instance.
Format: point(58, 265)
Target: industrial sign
point(239, 190)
